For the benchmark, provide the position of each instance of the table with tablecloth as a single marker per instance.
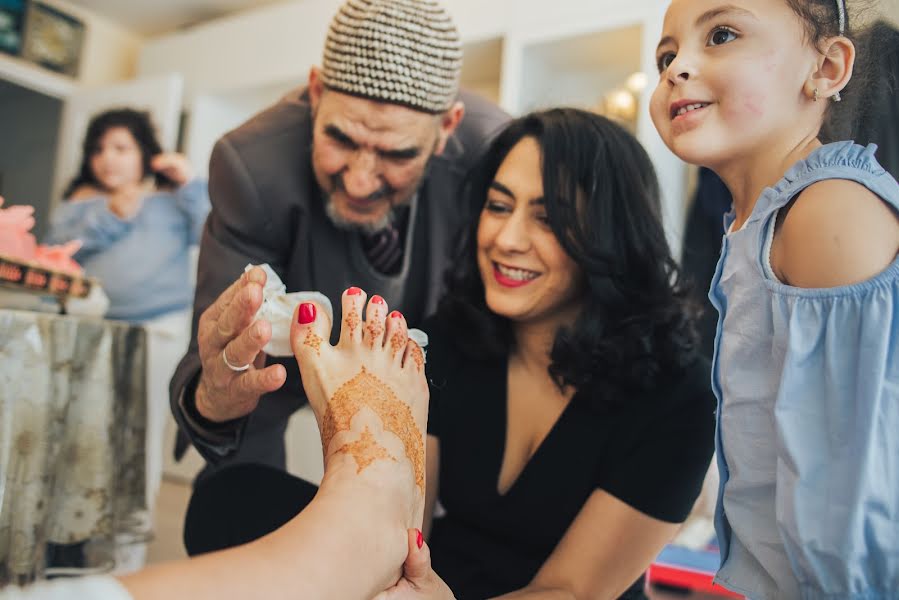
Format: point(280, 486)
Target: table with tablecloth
point(72, 440)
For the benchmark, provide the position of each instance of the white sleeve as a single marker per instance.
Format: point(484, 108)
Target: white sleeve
point(87, 588)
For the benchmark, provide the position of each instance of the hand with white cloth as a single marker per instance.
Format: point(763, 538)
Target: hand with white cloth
point(251, 319)
point(231, 347)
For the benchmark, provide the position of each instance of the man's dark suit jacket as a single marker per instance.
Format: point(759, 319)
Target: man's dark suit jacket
point(264, 193)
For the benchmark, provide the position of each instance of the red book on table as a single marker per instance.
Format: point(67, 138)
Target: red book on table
point(681, 567)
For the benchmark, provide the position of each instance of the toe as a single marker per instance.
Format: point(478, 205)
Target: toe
point(396, 337)
point(351, 328)
point(309, 332)
point(414, 357)
point(375, 315)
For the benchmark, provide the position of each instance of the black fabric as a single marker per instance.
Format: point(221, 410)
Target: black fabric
point(702, 247)
point(653, 455)
point(240, 504)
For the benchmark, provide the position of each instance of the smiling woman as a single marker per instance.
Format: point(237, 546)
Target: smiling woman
point(517, 247)
point(567, 188)
point(571, 422)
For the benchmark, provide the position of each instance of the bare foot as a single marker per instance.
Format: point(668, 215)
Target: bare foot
point(369, 394)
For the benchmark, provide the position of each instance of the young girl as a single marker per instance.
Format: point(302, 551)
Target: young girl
point(138, 211)
point(806, 368)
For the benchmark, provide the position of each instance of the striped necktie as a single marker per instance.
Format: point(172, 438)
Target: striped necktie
point(384, 248)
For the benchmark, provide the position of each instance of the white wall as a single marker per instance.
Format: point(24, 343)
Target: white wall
point(272, 44)
point(280, 42)
point(891, 10)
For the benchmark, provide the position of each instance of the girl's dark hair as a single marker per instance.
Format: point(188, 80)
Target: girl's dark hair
point(602, 203)
point(821, 20)
point(141, 128)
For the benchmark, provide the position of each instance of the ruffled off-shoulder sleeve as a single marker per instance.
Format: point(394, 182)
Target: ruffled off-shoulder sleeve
point(837, 420)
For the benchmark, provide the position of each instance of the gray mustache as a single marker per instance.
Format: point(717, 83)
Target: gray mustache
point(383, 192)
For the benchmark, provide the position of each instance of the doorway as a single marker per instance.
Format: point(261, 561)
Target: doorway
point(29, 132)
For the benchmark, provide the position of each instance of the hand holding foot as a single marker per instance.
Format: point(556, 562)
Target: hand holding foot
point(419, 581)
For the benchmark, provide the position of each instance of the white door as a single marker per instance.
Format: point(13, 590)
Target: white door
point(161, 96)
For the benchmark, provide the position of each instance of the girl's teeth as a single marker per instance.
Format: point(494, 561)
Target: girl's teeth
point(517, 274)
point(685, 109)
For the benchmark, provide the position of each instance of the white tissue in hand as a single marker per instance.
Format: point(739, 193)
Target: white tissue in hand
point(278, 307)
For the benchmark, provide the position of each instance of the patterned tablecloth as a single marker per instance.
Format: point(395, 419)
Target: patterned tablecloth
point(72, 433)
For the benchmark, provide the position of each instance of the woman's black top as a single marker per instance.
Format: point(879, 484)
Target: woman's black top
point(653, 455)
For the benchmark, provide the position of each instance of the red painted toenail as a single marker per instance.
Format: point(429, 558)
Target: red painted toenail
point(376, 300)
point(354, 291)
point(306, 314)
point(396, 314)
point(419, 539)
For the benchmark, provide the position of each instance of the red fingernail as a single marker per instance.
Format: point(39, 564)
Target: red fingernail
point(396, 314)
point(376, 300)
point(306, 314)
point(420, 539)
point(354, 291)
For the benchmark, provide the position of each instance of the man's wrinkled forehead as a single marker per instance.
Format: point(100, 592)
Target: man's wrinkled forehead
point(368, 122)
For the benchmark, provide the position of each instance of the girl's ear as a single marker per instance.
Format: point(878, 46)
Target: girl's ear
point(834, 67)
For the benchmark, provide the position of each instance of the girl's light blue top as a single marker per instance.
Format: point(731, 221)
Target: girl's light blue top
point(143, 263)
point(808, 411)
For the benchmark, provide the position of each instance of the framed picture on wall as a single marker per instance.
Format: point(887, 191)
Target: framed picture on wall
point(53, 39)
point(12, 16)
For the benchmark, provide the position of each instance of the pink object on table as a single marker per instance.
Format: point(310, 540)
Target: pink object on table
point(17, 242)
point(59, 258)
point(15, 224)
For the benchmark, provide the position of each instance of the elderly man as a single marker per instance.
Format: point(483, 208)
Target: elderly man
point(352, 181)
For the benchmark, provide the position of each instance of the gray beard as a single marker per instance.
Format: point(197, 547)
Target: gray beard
point(345, 224)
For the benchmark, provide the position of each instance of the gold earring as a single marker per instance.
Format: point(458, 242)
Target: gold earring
point(815, 95)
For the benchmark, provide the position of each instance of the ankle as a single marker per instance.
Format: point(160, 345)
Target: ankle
point(384, 490)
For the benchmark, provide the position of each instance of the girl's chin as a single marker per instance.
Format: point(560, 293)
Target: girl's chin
point(692, 153)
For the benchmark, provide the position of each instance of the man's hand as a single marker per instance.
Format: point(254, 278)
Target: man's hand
point(226, 329)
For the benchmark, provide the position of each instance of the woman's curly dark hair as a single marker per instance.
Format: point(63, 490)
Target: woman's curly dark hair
point(141, 128)
point(602, 202)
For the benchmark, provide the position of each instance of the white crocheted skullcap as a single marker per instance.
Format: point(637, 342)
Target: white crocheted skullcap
point(403, 52)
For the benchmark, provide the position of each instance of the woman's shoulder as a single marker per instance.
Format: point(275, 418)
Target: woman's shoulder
point(84, 192)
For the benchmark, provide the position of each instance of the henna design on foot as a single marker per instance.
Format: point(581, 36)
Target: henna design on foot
point(314, 342)
point(367, 391)
point(365, 450)
point(375, 329)
point(397, 343)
